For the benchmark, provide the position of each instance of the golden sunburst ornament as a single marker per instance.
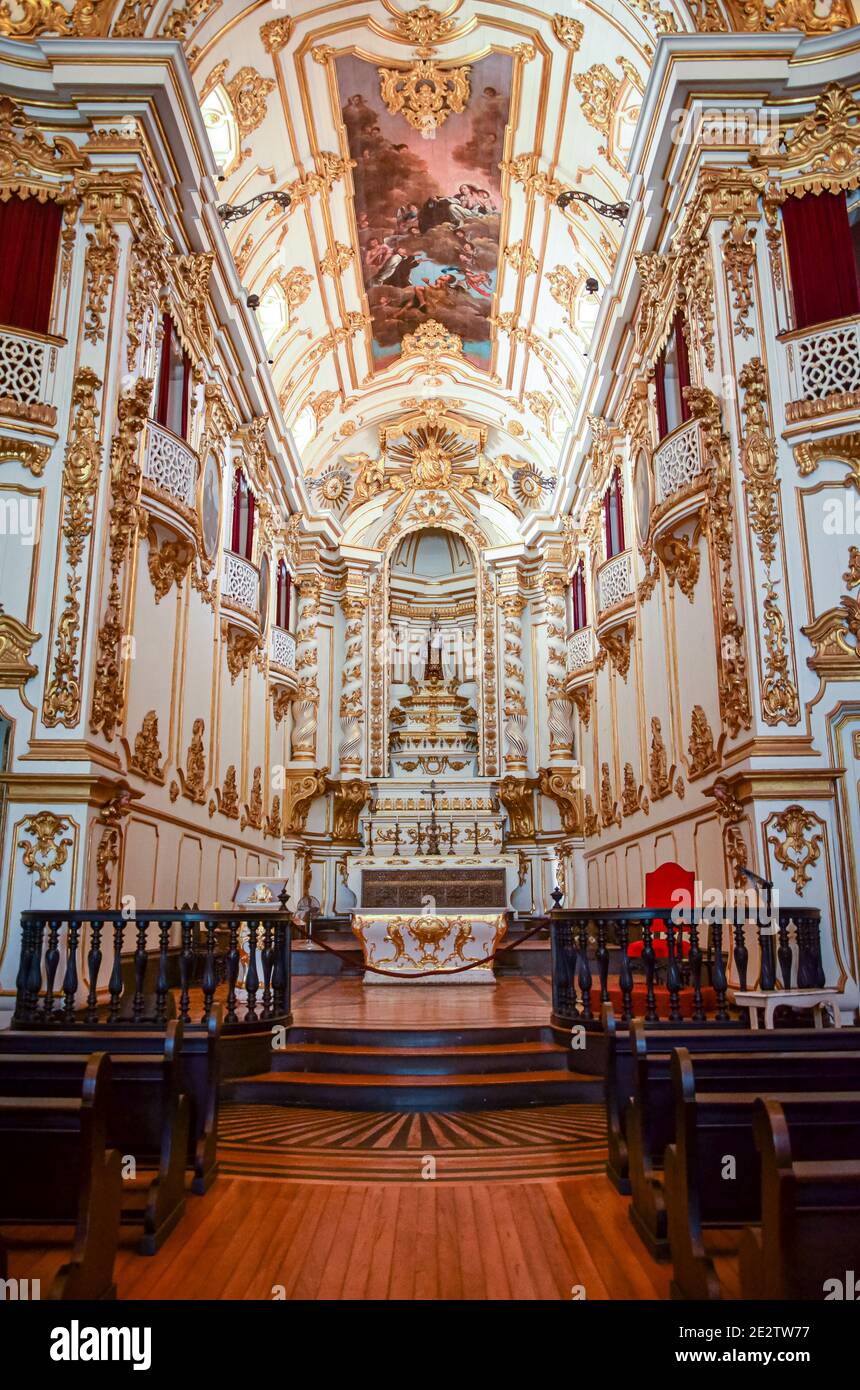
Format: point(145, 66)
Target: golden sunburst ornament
point(333, 487)
point(530, 484)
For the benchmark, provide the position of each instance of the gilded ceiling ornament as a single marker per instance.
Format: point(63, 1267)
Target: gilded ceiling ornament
point(62, 700)
point(275, 33)
point(48, 847)
point(707, 16)
point(568, 31)
point(252, 816)
point(659, 775)
point(739, 258)
point(132, 19)
point(180, 20)
point(322, 405)
point(243, 255)
point(425, 94)
point(108, 700)
point(147, 756)
point(544, 407)
point(565, 288)
point(600, 90)
point(759, 17)
point(664, 21)
point(333, 488)
point(530, 485)
point(700, 750)
point(431, 341)
point(609, 812)
point(336, 260)
point(521, 257)
point(31, 456)
point(227, 796)
point(16, 641)
point(50, 17)
point(423, 27)
point(800, 847)
point(24, 148)
point(780, 702)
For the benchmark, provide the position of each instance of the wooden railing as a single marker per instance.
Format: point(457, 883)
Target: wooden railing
point(90, 967)
point(581, 940)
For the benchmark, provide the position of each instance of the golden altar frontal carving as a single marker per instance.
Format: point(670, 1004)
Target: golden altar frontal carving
point(428, 948)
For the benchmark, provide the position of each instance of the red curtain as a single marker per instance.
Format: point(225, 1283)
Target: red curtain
point(821, 258)
point(683, 359)
point(580, 615)
point(282, 606)
point(619, 511)
point(236, 532)
point(164, 371)
point(186, 391)
point(660, 386)
point(249, 534)
point(29, 238)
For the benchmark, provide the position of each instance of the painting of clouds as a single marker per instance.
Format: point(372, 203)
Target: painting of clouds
point(428, 210)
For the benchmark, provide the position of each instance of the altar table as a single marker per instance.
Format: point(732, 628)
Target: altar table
point(426, 948)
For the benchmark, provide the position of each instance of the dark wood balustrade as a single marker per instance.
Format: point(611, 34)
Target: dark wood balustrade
point(193, 955)
point(582, 939)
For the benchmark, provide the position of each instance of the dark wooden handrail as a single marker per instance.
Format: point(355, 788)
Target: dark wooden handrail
point(580, 939)
point(95, 946)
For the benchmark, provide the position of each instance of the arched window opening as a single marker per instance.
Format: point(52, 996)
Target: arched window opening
point(577, 594)
point(283, 596)
point(671, 376)
point(613, 516)
point(174, 382)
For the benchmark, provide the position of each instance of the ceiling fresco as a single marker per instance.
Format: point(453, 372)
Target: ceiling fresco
point(427, 148)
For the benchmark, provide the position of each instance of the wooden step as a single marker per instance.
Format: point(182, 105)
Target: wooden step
point(457, 1091)
point(405, 1037)
point(421, 1061)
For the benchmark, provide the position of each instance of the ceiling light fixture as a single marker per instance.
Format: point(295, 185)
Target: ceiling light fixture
point(233, 212)
point(617, 212)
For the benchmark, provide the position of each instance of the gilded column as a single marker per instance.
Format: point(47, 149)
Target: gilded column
point(515, 712)
point(352, 685)
point(303, 741)
point(560, 709)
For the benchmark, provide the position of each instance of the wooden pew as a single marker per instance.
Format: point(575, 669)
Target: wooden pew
point(810, 1208)
point(147, 1122)
point(199, 1064)
point(621, 1065)
point(707, 1210)
point(650, 1125)
point(56, 1170)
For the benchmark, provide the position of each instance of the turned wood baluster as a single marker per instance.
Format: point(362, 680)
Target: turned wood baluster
point(784, 952)
point(584, 972)
point(52, 960)
point(186, 965)
point(22, 1007)
point(673, 974)
point(696, 971)
point(625, 974)
point(742, 955)
point(209, 980)
point(70, 979)
point(232, 972)
point(34, 974)
point(648, 960)
point(602, 961)
point(137, 1005)
point(767, 959)
point(718, 978)
point(815, 932)
point(94, 965)
point(252, 978)
point(267, 960)
point(278, 977)
point(115, 981)
point(805, 964)
point(161, 982)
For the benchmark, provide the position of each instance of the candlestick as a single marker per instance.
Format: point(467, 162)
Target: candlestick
point(418, 846)
point(451, 838)
point(396, 854)
point(477, 848)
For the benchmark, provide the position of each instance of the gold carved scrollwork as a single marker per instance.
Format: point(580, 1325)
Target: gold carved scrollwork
point(227, 796)
point(701, 750)
point(425, 94)
point(109, 849)
point(16, 641)
point(681, 560)
point(582, 696)
point(609, 812)
point(739, 258)
point(349, 798)
point(146, 758)
point(659, 774)
point(194, 778)
point(560, 786)
point(823, 150)
point(300, 789)
point(31, 456)
point(517, 796)
point(168, 563)
point(800, 846)
point(48, 847)
point(617, 643)
point(253, 814)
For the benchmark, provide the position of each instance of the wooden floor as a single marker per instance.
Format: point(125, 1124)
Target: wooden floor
point(334, 1000)
point(422, 1240)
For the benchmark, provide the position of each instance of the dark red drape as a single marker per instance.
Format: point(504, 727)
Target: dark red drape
point(821, 258)
point(249, 534)
point(282, 606)
point(580, 615)
point(287, 598)
point(682, 357)
point(186, 390)
point(236, 531)
point(164, 371)
point(619, 505)
point(29, 238)
point(660, 388)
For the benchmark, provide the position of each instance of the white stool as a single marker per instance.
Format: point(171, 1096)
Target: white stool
point(820, 1000)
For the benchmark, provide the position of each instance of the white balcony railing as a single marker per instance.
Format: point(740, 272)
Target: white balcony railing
point(614, 581)
point(171, 465)
point(679, 461)
point(282, 648)
point(580, 650)
point(27, 367)
point(825, 361)
point(240, 583)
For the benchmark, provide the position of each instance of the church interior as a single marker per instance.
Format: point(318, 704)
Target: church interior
point(430, 651)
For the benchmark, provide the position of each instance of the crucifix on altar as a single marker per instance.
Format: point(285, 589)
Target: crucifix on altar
point(433, 828)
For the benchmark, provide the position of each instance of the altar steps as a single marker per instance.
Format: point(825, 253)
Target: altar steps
point(442, 1069)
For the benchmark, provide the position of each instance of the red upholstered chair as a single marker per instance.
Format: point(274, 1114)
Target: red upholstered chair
point(666, 880)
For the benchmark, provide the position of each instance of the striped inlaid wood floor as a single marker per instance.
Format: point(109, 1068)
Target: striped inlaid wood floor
point(274, 1142)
